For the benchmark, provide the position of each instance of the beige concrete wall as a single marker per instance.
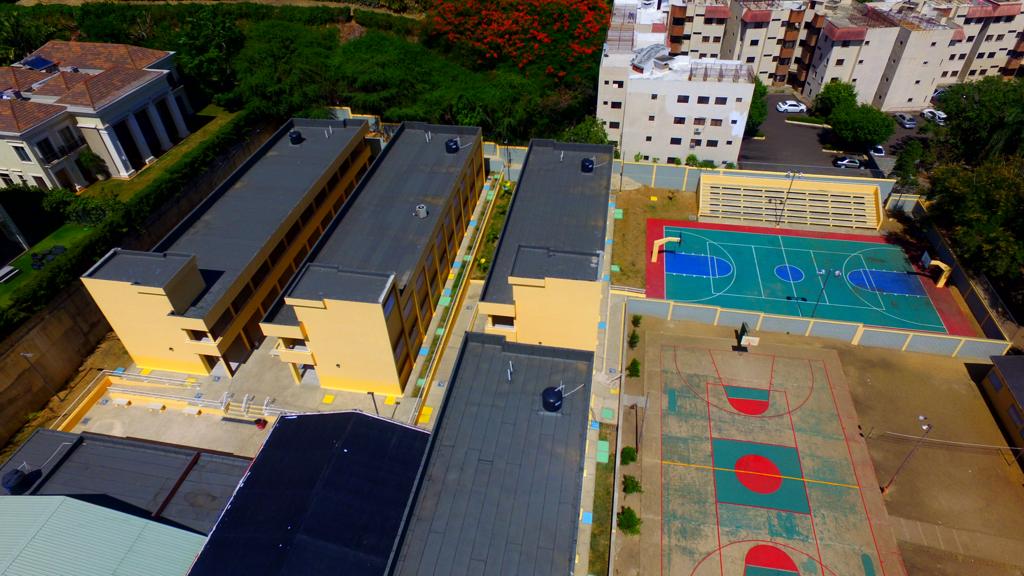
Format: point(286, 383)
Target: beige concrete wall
point(913, 69)
point(349, 342)
point(553, 312)
point(861, 63)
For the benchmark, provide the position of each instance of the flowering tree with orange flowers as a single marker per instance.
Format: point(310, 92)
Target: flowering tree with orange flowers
point(559, 38)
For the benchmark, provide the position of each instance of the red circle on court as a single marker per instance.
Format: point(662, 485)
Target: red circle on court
point(758, 474)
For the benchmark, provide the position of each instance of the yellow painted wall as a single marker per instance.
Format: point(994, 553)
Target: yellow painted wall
point(350, 344)
point(560, 313)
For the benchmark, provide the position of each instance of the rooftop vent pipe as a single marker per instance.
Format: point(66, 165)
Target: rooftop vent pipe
point(451, 145)
point(551, 399)
point(421, 211)
point(587, 165)
point(295, 137)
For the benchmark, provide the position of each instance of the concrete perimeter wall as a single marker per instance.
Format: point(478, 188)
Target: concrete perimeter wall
point(849, 332)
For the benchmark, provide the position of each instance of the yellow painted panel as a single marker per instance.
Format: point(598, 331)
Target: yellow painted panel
point(425, 415)
point(389, 400)
point(328, 399)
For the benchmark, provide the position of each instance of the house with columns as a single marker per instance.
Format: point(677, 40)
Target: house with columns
point(124, 103)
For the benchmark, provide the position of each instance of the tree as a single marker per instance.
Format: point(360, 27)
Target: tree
point(634, 339)
point(627, 455)
point(628, 521)
point(758, 108)
point(861, 126)
point(692, 160)
point(20, 35)
point(636, 320)
point(833, 96)
point(86, 210)
point(630, 485)
point(208, 40)
point(589, 131)
point(985, 119)
point(981, 209)
point(633, 370)
point(905, 170)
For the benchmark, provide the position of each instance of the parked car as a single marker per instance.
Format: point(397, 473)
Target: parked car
point(905, 120)
point(877, 151)
point(937, 94)
point(790, 106)
point(937, 116)
point(846, 162)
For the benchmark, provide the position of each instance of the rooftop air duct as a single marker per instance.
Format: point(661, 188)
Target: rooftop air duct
point(587, 165)
point(295, 137)
point(451, 145)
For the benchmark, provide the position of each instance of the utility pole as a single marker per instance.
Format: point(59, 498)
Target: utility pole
point(927, 430)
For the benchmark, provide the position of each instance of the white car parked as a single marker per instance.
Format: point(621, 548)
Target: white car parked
point(937, 116)
point(790, 106)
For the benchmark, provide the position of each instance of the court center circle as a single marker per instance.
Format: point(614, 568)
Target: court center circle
point(758, 474)
point(789, 273)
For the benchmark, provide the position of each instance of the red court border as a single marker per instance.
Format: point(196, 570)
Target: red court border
point(950, 314)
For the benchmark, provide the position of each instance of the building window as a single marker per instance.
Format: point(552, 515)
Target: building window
point(988, 38)
point(618, 83)
point(750, 59)
point(860, 61)
point(679, 120)
point(22, 153)
point(917, 82)
point(712, 143)
point(716, 121)
point(8, 181)
point(40, 183)
point(721, 100)
point(1015, 415)
point(694, 143)
point(962, 56)
point(674, 160)
point(972, 72)
point(982, 73)
point(840, 62)
point(703, 99)
point(755, 42)
point(616, 105)
point(733, 122)
point(700, 121)
point(933, 43)
point(996, 380)
point(675, 141)
point(952, 56)
point(678, 21)
point(970, 38)
point(945, 74)
point(654, 96)
point(728, 142)
point(650, 118)
point(613, 125)
point(682, 99)
point(648, 139)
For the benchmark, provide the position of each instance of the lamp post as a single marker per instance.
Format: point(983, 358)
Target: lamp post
point(829, 273)
point(927, 428)
point(781, 210)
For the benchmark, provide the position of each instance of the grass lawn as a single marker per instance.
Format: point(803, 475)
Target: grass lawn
point(214, 117)
point(485, 256)
point(630, 247)
point(67, 236)
point(601, 529)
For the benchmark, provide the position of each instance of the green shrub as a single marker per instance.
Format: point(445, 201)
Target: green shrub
point(633, 370)
point(636, 320)
point(634, 339)
point(628, 521)
point(807, 119)
point(627, 455)
point(387, 22)
point(630, 485)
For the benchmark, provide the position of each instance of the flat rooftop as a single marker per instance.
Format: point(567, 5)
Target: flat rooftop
point(233, 224)
point(501, 489)
point(376, 233)
point(181, 486)
point(1012, 369)
point(326, 495)
point(556, 207)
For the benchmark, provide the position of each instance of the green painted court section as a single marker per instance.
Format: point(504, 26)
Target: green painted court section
point(867, 282)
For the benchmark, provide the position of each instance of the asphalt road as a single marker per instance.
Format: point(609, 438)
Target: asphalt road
point(788, 147)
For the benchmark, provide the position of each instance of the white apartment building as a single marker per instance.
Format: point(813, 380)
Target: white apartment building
point(124, 103)
point(659, 107)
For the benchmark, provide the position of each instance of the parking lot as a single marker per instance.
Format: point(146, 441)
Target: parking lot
point(788, 147)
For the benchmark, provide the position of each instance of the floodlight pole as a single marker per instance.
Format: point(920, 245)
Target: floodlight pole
point(831, 272)
point(927, 430)
point(785, 198)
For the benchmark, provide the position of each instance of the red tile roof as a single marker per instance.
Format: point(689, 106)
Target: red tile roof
point(716, 12)
point(17, 116)
point(60, 83)
point(19, 78)
point(98, 55)
point(96, 91)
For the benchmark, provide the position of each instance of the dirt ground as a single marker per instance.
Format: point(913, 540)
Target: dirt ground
point(952, 510)
point(109, 353)
point(630, 244)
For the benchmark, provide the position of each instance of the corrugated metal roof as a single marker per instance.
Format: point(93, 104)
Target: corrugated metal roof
point(58, 535)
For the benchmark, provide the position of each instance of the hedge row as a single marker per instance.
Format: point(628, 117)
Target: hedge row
point(64, 271)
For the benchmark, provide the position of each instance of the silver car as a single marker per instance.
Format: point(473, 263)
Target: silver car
point(905, 120)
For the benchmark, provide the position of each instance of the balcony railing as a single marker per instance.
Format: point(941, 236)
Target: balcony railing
point(61, 151)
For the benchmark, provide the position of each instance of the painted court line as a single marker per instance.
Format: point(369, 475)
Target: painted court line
point(792, 249)
point(791, 285)
point(866, 273)
point(757, 268)
point(751, 472)
point(824, 292)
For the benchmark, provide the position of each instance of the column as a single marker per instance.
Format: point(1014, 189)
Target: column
point(158, 127)
point(179, 121)
point(140, 140)
point(121, 164)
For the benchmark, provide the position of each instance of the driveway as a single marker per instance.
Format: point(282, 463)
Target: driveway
point(789, 147)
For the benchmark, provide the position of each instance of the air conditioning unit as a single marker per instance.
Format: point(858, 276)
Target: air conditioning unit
point(698, 131)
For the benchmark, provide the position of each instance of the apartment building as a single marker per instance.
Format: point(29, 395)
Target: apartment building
point(544, 286)
point(765, 34)
point(656, 106)
point(195, 300)
point(125, 103)
point(357, 312)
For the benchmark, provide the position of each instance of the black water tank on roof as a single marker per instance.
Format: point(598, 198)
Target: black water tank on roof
point(451, 145)
point(295, 137)
point(587, 165)
point(551, 398)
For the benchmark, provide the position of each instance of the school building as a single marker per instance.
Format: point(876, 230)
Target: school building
point(544, 286)
point(1004, 387)
point(196, 299)
point(356, 313)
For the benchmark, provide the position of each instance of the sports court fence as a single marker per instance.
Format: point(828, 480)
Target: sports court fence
point(849, 332)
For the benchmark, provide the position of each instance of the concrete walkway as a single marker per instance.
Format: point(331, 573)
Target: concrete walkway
point(962, 542)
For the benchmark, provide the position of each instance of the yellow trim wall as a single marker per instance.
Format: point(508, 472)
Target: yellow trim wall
point(550, 312)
